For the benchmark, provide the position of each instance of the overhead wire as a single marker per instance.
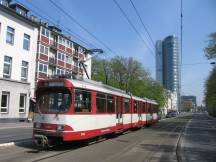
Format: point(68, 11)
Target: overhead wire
point(133, 27)
point(81, 26)
point(141, 20)
point(65, 29)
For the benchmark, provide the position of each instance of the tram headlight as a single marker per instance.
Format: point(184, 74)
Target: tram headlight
point(60, 128)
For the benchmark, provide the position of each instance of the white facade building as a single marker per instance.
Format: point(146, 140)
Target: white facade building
point(171, 104)
point(18, 46)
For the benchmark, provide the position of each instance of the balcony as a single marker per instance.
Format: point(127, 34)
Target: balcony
point(75, 69)
point(52, 61)
point(75, 54)
point(53, 44)
point(81, 57)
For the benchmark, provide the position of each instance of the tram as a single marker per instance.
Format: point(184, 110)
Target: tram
point(70, 110)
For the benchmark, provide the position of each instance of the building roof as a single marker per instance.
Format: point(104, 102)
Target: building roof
point(13, 13)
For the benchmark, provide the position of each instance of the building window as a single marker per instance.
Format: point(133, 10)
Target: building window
point(69, 59)
point(71, 45)
point(22, 103)
point(42, 68)
point(82, 102)
point(4, 102)
point(100, 103)
point(126, 105)
point(21, 12)
point(10, 35)
point(60, 71)
point(45, 32)
point(60, 40)
point(68, 43)
point(4, 2)
point(76, 63)
point(7, 67)
point(44, 49)
point(61, 56)
point(63, 41)
point(24, 71)
point(110, 104)
point(26, 42)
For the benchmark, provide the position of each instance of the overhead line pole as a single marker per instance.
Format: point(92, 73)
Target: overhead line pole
point(181, 55)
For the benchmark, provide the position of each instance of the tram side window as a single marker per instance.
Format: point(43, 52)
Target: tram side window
point(82, 101)
point(126, 105)
point(101, 102)
point(110, 104)
point(143, 107)
point(135, 106)
point(149, 107)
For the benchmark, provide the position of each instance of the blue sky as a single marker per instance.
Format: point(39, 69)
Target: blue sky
point(162, 18)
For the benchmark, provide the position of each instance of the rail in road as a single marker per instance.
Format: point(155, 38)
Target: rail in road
point(156, 143)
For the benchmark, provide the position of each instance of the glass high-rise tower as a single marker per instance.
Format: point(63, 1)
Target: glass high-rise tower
point(167, 64)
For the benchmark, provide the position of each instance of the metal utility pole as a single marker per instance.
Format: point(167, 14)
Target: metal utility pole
point(179, 104)
point(92, 52)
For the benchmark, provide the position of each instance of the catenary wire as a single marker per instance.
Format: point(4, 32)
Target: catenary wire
point(134, 28)
point(65, 29)
point(81, 26)
point(141, 20)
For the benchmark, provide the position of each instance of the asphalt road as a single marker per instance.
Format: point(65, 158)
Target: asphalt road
point(10, 132)
point(198, 142)
point(156, 143)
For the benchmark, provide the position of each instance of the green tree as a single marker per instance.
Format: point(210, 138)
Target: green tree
point(129, 75)
point(210, 86)
point(210, 50)
point(210, 94)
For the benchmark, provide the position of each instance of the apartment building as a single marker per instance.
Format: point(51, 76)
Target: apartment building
point(30, 51)
point(58, 55)
point(18, 47)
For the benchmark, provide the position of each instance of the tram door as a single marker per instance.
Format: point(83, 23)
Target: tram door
point(140, 111)
point(119, 110)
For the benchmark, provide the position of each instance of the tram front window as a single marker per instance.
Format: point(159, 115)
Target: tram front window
point(53, 101)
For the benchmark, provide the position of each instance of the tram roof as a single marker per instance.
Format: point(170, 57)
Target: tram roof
point(98, 86)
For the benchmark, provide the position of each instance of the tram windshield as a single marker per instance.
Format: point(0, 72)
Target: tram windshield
point(53, 101)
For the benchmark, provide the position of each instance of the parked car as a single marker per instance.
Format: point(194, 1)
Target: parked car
point(171, 114)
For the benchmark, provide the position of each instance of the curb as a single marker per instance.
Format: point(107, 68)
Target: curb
point(211, 117)
point(28, 140)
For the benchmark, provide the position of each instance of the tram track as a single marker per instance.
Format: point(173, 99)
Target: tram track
point(70, 150)
point(151, 142)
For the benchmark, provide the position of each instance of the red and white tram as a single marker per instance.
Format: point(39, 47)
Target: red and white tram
point(69, 110)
